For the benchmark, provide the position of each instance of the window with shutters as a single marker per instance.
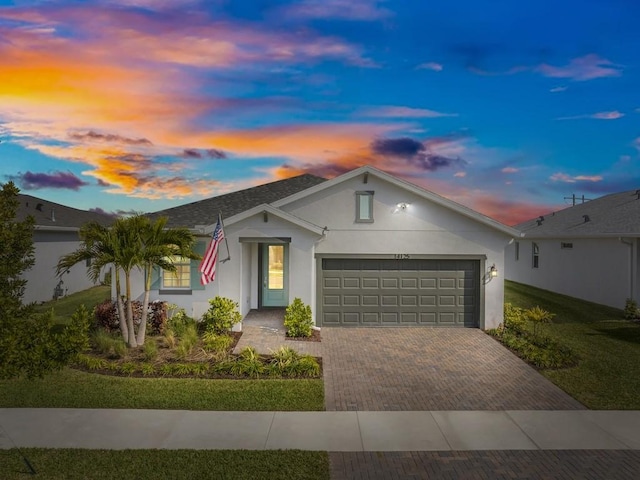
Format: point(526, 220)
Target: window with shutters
point(181, 278)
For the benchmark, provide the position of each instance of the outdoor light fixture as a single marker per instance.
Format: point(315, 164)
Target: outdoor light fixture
point(402, 206)
point(493, 271)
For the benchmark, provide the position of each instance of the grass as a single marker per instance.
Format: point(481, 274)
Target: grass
point(74, 389)
point(66, 306)
point(72, 464)
point(608, 374)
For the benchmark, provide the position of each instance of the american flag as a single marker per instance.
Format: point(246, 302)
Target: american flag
point(208, 265)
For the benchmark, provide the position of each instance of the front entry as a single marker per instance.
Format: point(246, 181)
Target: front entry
point(275, 269)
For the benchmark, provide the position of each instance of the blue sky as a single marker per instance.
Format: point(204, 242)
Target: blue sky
point(504, 106)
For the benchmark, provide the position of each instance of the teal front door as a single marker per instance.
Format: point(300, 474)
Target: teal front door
point(275, 271)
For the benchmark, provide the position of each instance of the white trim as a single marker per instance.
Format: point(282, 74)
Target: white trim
point(287, 217)
point(435, 198)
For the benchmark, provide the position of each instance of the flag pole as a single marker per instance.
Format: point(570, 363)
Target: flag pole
point(225, 239)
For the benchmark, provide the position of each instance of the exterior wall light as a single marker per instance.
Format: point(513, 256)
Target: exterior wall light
point(493, 271)
point(402, 206)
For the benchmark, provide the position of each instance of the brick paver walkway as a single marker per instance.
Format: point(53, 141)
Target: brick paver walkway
point(484, 465)
point(430, 369)
point(264, 331)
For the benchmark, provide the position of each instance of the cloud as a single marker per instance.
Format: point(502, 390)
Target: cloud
point(436, 67)
point(583, 68)
point(59, 180)
point(611, 115)
point(362, 10)
point(109, 138)
point(418, 153)
point(510, 170)
point(565, 178)
point(636, 143)
point(460, 174)
point(558, 89)
point(191, 153)
point(392, 111)
point(217, 154)
point(101, 211)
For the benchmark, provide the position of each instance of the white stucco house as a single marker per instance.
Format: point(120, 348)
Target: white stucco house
point(55, 234)
point(363, 249)
point(589, 250)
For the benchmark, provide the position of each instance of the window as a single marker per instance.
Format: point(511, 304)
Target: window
point(364, 207)
point(517, 249)
point(567, 245)
point(181, 278)
point(536, 253)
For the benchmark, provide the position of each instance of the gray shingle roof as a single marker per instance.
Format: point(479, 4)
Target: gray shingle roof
point(51, 214)
point(205, 212)
point(611, 215)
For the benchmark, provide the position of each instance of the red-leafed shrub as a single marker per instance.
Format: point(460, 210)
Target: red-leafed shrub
point(106, 316)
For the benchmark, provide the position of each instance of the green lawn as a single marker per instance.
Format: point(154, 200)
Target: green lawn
point(608, 375)
point(75, 389)
point(72, 464)
point(66, 306)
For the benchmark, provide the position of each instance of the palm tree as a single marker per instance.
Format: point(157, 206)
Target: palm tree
point(158, 246)
point(99, 247)
point(132, 242)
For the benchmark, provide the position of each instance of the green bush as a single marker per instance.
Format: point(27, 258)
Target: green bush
point(109, 344)
point(248, 364)
point(307, 366)
point(298, 320)
point(147, 369)
point(217, 345)
point(631, 311)
point(150, 350)
point(514, 318)
point(537, 316)
point(179, 322)
point(222, 315)
point(283, 362)
point(128, 368)
point(91, 363)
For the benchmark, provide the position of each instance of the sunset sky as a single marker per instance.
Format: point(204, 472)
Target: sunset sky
point(139, 105)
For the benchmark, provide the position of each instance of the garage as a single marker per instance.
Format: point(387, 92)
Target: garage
point(399, 292)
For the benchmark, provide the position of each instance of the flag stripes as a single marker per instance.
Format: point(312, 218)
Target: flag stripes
point(210, 259)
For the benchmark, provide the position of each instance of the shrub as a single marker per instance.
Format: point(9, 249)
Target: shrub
point(157, 317)
point(128, 368)
point(222, 315)
point(106, 316)
point(150, 350)
point(179, 322)
point(308, 366)
point(91, 363)
point(108, 344)
point(248, 364)
point(537, 316)
point(218, 345)
point(284, 361)
point(120, 348)
point(631, 311)
point(147, 369)
point(514, 318)
point(170, 338)
point(297, 319)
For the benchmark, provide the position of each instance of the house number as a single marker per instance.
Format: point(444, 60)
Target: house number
point(401, 256)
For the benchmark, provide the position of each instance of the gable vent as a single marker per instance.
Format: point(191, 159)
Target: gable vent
point(638, 194)
point(586, 218)
point(39, 207)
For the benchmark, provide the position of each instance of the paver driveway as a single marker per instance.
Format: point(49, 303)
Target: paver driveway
point(430, 369)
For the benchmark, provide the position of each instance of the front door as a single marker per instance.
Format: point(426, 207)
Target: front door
point(275, 267)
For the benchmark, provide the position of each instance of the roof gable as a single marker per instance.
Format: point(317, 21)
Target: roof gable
point(421, 192)
point(205, 212)
point(51, 215)
point(617, 214)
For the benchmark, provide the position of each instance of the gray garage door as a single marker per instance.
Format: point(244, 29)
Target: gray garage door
point(379, 292)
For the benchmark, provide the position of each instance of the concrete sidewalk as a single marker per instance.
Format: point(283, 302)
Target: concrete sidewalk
point(330, 431)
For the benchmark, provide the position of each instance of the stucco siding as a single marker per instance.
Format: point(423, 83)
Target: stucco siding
point(597, 270)
point(41, 279)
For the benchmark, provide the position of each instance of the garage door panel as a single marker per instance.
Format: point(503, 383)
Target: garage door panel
point(389, 301)
point(378, 292)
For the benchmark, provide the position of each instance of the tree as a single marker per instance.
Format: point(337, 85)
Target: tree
point(159, 245)
point(130, 243)
point(28, 343)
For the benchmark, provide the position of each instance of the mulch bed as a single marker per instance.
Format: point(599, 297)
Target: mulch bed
point(315, 337)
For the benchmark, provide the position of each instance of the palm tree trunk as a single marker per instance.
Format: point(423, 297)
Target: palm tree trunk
point(130, 324)
point(142, 329)
point(121, 316)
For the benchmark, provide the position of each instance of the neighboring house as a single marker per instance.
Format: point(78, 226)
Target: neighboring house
point(589, 251)
point(363, 249)
point(55, 234)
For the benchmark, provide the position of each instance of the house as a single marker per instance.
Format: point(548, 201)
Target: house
point(55, 234)
point(589, 250)
point(363, 249)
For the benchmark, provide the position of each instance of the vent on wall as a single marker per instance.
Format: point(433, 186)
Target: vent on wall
point(586, 218)
point(566, 245)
